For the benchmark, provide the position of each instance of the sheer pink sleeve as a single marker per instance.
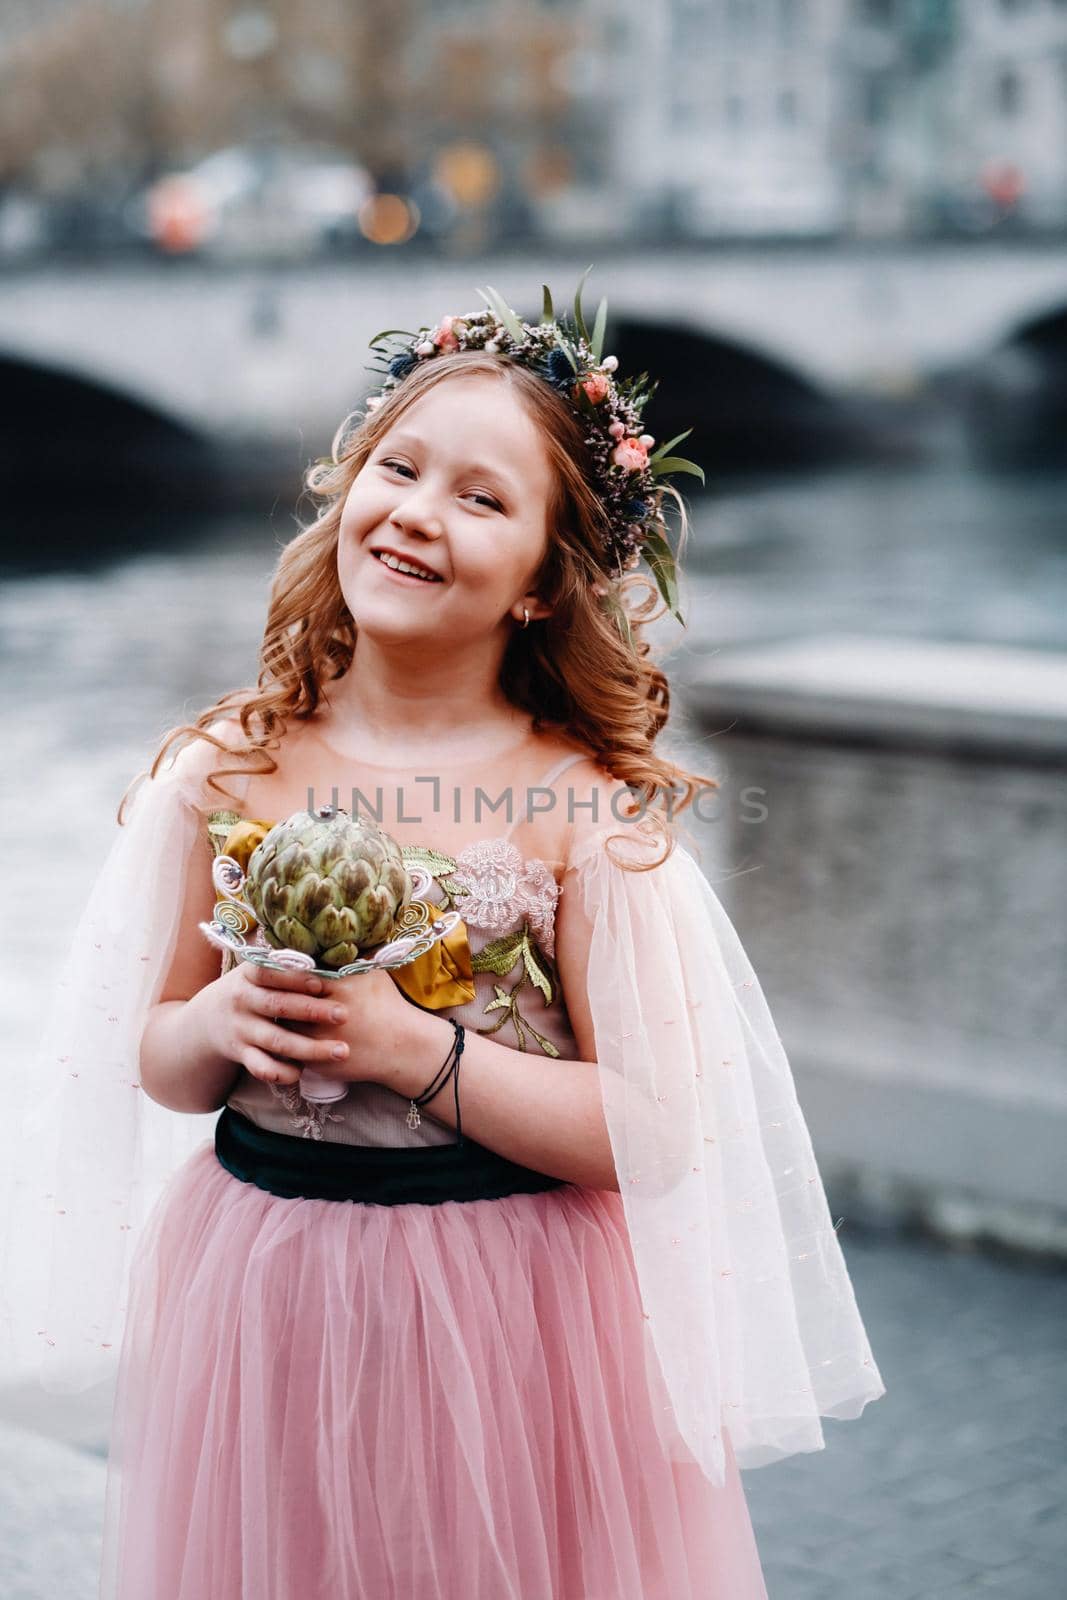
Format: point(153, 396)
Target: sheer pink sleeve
point(94, 1151)
point(749, 1309)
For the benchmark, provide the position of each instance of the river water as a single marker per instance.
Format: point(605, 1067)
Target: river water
point(936, 552)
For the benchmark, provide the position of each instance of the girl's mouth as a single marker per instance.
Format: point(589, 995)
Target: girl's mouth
point(403, 577)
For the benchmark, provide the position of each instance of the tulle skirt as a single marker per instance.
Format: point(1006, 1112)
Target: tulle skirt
point(324, 1399)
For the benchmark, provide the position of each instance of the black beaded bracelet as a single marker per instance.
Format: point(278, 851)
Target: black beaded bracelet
point(449, 1066)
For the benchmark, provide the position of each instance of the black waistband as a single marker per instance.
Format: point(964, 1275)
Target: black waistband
point(320, 1169)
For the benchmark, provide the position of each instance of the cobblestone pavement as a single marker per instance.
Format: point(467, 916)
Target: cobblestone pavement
point(952, 1485)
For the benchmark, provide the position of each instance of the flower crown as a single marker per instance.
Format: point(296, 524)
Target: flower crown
point(628, 472)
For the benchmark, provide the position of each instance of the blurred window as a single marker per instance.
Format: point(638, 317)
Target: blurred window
point(685, 108)
point(791, 14)
point(1009, 91)
point(880, 12)
point(740, 14)
point(876, 98)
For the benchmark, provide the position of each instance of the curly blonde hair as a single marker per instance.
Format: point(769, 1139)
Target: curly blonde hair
point(586, 671)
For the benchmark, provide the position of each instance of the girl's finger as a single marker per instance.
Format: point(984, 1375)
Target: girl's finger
point(295, 1007)
point(267, 1067)
point(281, 1041)
point(270, 978)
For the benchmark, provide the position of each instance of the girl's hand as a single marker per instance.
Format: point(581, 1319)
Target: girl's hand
point(378, 1030)
point(236, 1018)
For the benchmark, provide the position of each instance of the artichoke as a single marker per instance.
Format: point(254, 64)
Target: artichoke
point(329, 886)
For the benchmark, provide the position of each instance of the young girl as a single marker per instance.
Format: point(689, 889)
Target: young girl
point(506, 1316)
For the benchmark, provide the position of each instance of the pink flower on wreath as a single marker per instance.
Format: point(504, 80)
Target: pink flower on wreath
point(630, 454)
point(444, 338)
point(596, 387)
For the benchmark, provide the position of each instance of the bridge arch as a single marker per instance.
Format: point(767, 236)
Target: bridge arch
point(1015, 394)
point(748, 409)
point(65, 432)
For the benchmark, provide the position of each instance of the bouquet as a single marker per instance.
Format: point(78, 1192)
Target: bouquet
point(325, 894)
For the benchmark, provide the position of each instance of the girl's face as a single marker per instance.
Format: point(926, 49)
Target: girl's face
point(458, 487)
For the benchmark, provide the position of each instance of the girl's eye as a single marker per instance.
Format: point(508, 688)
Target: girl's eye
point(485, 499)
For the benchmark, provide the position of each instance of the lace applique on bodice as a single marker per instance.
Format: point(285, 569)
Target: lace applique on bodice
point(502, 886)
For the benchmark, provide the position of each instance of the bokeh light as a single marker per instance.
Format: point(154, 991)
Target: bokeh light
point(469, 172)
point(388, 219)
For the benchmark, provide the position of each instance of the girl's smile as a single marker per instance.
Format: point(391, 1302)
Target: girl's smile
point(395, 564)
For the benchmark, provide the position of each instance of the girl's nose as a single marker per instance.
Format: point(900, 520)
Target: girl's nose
point(419, 512)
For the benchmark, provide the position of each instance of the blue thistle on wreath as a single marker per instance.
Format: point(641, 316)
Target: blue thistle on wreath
point(562, 350)
point(556, 368)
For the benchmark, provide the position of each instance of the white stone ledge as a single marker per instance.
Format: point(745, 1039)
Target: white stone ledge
point(852, 686)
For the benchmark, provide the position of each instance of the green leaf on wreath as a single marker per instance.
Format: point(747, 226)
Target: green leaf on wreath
point(667, 464)
point(599, 327)
point(388, 333)
point(665, 449)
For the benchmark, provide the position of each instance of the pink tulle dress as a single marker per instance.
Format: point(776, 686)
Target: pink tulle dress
point(325, 1399)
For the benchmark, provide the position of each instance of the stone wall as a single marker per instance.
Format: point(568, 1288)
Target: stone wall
point(891, 844)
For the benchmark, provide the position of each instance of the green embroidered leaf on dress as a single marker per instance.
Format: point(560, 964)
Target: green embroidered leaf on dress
point(219, 824)
point(546, 1044)
point(433, 861)
point(537, 973)
point(506, 1003)
point(502, 999)
point(439, 866)
point(453, 888)
point(499, 955)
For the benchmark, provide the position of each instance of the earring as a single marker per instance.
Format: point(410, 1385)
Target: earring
point(525, 617)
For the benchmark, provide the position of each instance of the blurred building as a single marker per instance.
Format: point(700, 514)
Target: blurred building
point(479, 120)
point(513, 108)
point(1007, 99)
point(957, 114)
point(491, 117)
point(731, 117)
point(896, 124)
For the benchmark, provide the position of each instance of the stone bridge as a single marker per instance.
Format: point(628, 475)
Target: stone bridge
point(280, 353)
